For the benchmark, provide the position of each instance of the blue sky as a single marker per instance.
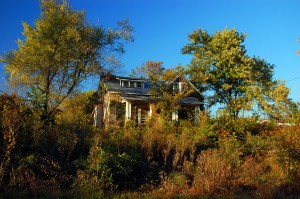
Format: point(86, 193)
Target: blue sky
point(162, 27)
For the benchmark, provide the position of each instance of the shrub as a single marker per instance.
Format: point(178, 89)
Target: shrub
point(39, 175)
point(261, 176)
point(213, 173)
point(231, 149)
point(19, 129)
point(288, 153)
point(158, 142)
point(97, 176)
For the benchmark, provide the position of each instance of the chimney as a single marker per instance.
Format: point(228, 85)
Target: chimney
point(107, 76)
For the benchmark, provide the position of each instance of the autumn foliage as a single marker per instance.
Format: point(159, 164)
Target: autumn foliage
point(219, 156)
point(49, 146)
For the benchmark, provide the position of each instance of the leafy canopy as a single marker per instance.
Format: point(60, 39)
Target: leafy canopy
point(60, 51)
point(220, 65)
point(152, 70)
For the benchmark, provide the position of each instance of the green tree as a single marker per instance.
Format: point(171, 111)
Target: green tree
point(155, 71)
point(220, 65)
point(59, 52)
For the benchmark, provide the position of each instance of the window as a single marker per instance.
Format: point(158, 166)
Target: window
point(132, 84)
point(175, 87)
point(182, 86)
point(139, 84)
point(125, 84)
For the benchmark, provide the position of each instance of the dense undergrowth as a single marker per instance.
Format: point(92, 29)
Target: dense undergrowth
point(220, 157)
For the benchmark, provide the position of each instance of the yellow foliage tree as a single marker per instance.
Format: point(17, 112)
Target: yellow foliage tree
point(59, 52)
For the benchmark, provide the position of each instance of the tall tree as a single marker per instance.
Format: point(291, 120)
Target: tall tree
point(151, 69)
point(155, 71)
point(220, 65)
point(60, 51)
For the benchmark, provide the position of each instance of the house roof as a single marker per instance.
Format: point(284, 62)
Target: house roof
point(114, 86)
point(136, 94)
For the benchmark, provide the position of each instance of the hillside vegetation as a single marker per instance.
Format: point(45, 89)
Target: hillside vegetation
point(218, 157)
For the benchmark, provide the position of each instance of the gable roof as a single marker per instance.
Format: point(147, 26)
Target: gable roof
point(178, 76)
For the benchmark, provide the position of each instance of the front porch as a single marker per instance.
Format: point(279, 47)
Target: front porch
point(138, 109)
point(187, 112)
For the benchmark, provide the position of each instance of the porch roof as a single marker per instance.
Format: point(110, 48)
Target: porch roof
point(190, 101)
point(139, 98)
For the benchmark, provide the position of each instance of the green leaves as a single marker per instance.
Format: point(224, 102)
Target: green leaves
point(221, 66)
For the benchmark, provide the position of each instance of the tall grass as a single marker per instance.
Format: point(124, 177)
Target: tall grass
point(218, 157)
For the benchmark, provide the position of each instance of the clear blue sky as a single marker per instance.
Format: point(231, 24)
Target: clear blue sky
point(162, 26)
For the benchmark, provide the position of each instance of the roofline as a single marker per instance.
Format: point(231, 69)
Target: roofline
point(145, 80)
point(188, 82)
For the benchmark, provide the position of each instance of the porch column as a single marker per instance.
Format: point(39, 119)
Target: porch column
point(150, 111)
point(175, 115)
point(96, 116)
point(139, 116)
point(127, 111)
point(197, 111)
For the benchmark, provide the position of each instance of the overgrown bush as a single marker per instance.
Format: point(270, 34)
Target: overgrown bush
point(216, 156)
point(39, 175)
point(213, 174)
point(19, 130)
point(288, 153)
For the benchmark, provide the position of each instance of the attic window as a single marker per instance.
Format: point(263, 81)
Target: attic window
point(175, 86)
point(182, 86)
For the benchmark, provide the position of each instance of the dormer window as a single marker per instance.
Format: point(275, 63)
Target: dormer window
point(125, 83)
point(131, 84)
point(139, 85)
